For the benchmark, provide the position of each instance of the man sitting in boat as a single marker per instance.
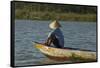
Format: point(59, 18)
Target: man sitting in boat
point(55, 37)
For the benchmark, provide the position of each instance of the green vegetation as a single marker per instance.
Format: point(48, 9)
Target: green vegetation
point(43, 11)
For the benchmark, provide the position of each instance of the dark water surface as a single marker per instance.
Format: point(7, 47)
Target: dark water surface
point(77, 35)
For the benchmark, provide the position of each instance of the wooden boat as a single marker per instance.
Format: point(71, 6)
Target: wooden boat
point(66, 54)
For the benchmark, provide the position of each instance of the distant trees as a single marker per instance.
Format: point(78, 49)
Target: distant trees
point(27, 10)
point(55, 7)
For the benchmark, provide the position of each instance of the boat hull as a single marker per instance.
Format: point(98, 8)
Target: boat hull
point(66, 54)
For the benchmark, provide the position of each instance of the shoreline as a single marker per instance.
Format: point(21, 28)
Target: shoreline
point(53, 20)
point(53, 16)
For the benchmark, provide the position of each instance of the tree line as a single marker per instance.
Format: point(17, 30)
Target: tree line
point(25, 10)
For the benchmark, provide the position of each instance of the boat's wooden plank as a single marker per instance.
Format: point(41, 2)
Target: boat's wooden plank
point(68, 53)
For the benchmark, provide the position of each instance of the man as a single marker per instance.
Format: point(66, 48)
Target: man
point(55, 37)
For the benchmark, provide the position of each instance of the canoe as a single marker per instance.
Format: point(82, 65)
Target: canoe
point(66, 54)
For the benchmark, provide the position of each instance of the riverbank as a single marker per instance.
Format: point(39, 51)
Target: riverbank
point(45, 11)
point(53, 15)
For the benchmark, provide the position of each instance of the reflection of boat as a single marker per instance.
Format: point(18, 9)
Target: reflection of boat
point(66, 54)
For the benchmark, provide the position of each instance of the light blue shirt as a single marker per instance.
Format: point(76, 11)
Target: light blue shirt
point(59, 35)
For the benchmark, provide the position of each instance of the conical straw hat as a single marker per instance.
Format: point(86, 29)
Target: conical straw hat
point(55, 24)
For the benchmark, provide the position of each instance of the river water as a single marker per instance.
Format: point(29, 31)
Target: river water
point(76, 34)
